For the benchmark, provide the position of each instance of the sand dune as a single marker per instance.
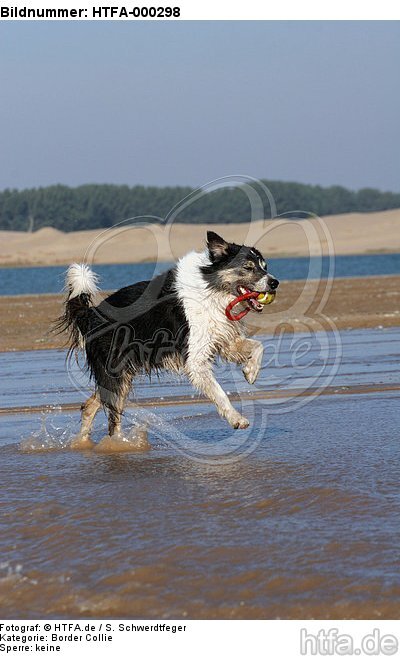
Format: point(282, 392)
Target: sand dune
point(344, 234)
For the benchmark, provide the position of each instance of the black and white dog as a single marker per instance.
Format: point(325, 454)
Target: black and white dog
point(177, 321)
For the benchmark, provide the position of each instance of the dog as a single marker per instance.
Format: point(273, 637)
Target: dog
point(176, 321)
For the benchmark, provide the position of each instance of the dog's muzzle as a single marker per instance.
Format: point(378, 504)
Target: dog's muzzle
point(255, 300)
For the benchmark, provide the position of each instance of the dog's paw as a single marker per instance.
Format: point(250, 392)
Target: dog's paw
point(80, 443)
point(237, 420)
point(253, 365)
point(251, 371)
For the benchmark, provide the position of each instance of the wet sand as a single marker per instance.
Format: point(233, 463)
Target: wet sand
point(371, 232)
point(295, 518)
point(366, 302)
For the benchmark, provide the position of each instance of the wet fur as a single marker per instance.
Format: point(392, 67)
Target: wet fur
point(176, 321)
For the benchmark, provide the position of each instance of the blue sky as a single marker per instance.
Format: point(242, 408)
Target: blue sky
point(186, 102)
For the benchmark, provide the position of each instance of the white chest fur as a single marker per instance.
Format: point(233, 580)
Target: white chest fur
point(210, 331)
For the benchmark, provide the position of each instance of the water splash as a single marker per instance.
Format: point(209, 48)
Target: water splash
point(134, 439)
point(163, 427)
point(49, 437)
point(7, 570)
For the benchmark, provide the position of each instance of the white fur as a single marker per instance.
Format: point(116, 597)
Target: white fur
point(210, 332)
point(81, 279)
point(209, 328)
point(262, 284)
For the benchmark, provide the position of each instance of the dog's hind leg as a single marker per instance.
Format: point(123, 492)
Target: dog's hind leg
point(115, 402)
point(201, 376)
point(89, 410)
point(114, 420)
point(117, 406)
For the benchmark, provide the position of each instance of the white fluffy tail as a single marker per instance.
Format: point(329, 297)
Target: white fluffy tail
point(81, 290)
point(81, 279)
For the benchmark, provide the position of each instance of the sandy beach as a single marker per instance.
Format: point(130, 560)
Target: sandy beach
point(375, 232)
point(351, 303)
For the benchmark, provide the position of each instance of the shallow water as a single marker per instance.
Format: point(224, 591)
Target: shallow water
point(297, 517)
point(291, 362)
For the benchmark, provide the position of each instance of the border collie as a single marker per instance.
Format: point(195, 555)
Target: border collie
point(176, 321)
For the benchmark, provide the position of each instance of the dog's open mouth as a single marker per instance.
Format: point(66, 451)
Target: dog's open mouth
point(251, 302)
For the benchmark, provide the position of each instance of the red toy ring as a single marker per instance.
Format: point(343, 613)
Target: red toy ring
point(239, 299)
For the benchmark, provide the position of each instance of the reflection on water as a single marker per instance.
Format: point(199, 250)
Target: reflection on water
point(305, 526)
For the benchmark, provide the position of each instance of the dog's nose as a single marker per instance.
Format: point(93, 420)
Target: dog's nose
point(273, 283)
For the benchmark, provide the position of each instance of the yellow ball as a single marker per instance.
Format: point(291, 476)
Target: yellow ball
point(266, 298)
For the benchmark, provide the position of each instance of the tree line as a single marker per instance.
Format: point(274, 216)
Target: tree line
point(104, 205)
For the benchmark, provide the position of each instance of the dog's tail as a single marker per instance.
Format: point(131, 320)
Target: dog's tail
point(81, 289)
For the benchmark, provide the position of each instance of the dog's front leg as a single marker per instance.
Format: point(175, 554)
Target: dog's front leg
point(201, 376)
point(247, 352)
point(252, 367)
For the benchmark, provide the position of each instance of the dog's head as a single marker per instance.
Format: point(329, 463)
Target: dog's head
point(235, 269)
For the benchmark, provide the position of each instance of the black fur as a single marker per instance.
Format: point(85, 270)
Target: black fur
point(226, 257)
point(143, 327)
point(132, 331)
point(74, 321)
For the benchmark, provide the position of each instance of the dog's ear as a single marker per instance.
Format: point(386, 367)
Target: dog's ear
point(217, 246)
